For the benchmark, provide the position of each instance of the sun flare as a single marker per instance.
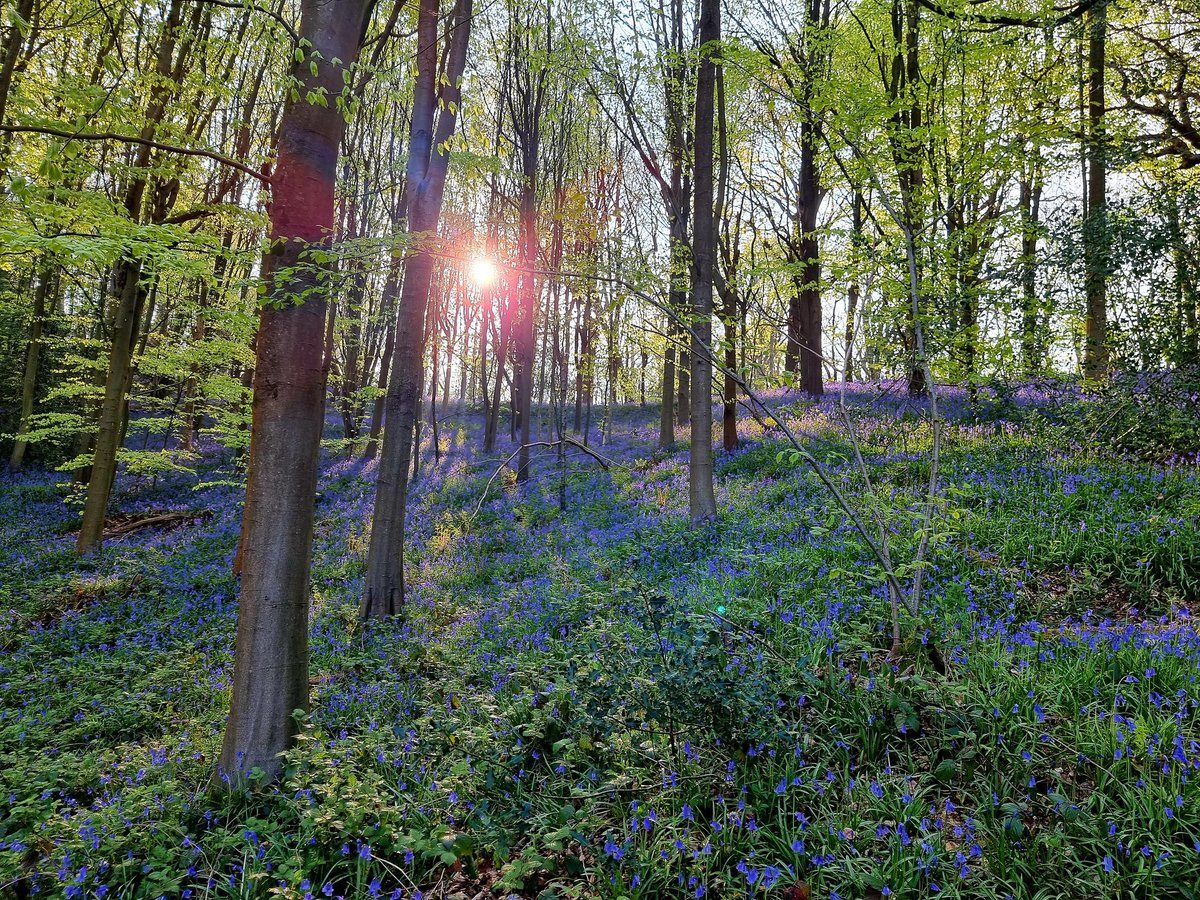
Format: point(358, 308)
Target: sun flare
point(483, 271)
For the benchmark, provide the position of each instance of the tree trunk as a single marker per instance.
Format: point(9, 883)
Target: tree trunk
point(390, 288)
point(32, 355)
point(527, 292)
point(701, 501)
point(270, 677)
point(1030, 206)
point(111, 425)
point(852, 293)
point(436, 101)
point(13, 42)
point(809, 312)
point(1095, 228)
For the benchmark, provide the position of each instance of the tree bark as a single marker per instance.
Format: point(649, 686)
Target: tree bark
point(1095, 228)
point(32, 356)
point(270, 677)
point(701, 501)
point(1029, 202)
point(855, 289)
point(436, 99)
point(808, 323)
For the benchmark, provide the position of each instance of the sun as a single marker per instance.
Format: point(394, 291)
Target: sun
point(483, 271)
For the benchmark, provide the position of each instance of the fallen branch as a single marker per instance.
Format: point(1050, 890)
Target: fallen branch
point(181, 517)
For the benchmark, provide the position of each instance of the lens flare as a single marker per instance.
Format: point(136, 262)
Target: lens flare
point(483, 271)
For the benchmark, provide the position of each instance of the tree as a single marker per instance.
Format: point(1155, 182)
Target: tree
point(436, 100)
point(270, 677)
point(701, 502)
point(1096, 240)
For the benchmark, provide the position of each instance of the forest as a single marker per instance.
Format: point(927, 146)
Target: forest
point(477, 449)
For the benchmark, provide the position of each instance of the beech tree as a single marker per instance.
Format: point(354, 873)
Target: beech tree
point(701, 502)
point(270, 676)
point(436, 99)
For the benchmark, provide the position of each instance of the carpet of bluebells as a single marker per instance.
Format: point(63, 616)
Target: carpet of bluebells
point(601, 701)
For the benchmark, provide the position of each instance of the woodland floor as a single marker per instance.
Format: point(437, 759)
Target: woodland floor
point(565, 712)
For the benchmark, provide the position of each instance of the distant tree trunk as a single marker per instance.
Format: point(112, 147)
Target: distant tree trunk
point(527, 296)
point(852, 293)
point(1095, 229)
point(111, 424)
point(191, 387)
point(436, 99)
point(391, 287)
point(270, 672)
point(1185, 286)
point(666, 419)
point(908, 148)
point(791, 348)
point(32, 355)
point(729, 435)
point(701, 501)
point(1029, 202)
point(683, 369)
point(502, 341)
point(809, 313)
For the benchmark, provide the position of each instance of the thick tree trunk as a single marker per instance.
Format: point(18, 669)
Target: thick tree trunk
point(701, 501)
point(270, 677)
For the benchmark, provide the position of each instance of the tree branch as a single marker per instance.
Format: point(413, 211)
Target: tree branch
point(140, 141)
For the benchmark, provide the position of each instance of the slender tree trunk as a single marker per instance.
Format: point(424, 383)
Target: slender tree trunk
point(809, 312)
point(493, 419)
point(729, 435)
point(435, 107)
point(853, 292)
point(1096, 237)
point(388, 303)
point(1185, 286)
point(270, 677)
point(191, 387)
point(526, 339)
point(32, 355)
point(666, 420)
point(701, 501)
point(111, 425)
point(1030, 207)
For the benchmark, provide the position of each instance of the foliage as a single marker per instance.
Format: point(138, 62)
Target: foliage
point(605, 702)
